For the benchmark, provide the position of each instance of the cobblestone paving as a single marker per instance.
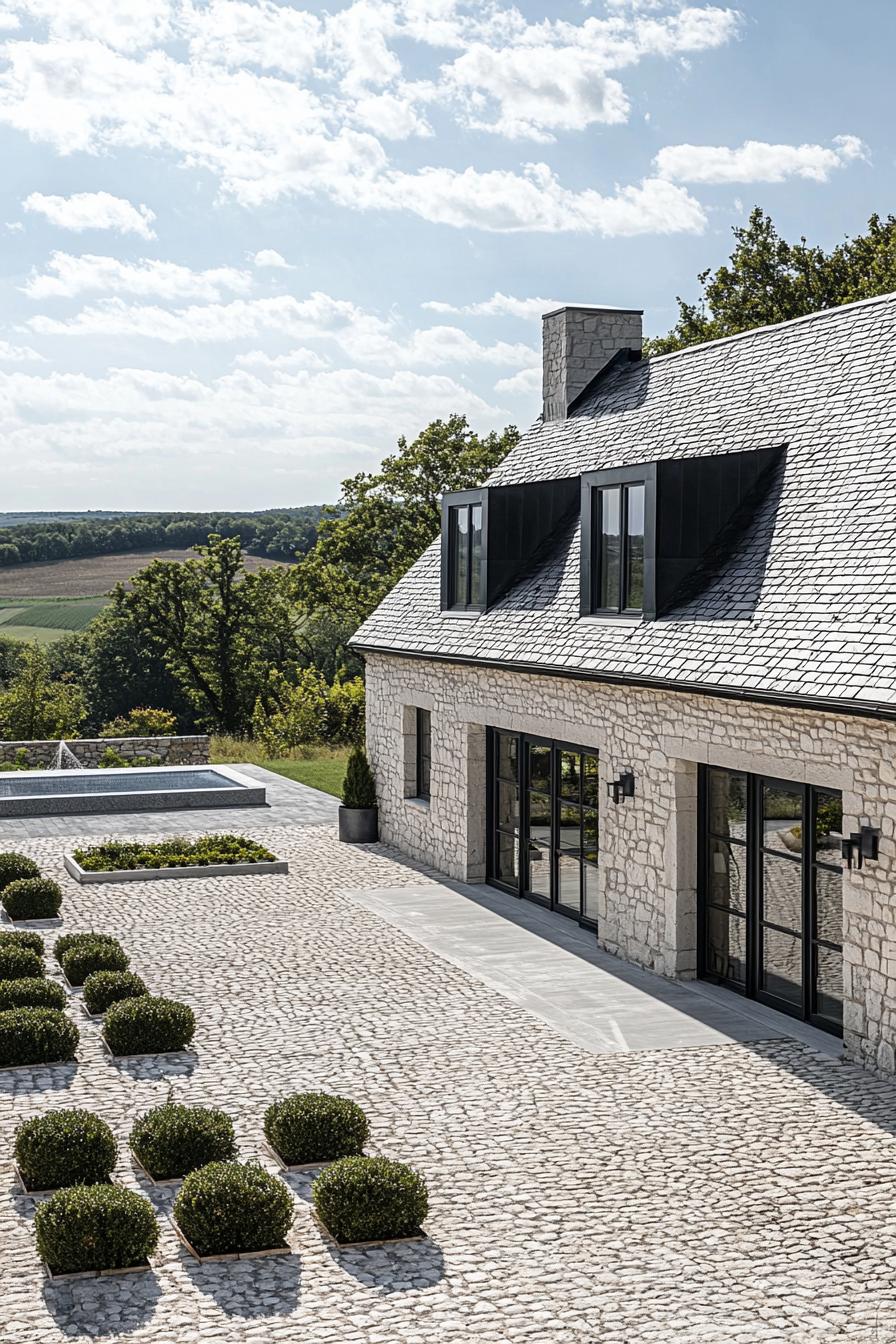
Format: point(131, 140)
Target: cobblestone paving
point(731, 1193)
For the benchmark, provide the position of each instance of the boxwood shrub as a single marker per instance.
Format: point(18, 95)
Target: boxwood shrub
point(83, 960)
point(171, 1140)
point(67, 1147)
point(14, 866)
point(33, 992)
point(370, 1199)
point(114, 855)
point(228, 1207)
point(95, 1227)
point(148, 1026)
point(36, 1036)
point(22, 938)
point(66, 941)
point(20, 963)
point(315, 1127)
point(32, 898)
point(103, 988)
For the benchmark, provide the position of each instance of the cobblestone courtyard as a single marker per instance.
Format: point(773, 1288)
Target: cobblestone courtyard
point(732, 1192)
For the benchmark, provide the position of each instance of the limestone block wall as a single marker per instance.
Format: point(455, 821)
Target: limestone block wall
point(89, 750)
point(648, 864)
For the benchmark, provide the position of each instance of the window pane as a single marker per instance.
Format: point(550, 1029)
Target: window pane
point(829, 905)
point(569, 776)
point(829, 984)
point(569, 878)
point(589, 834)
point(828, 827)
point(726, 953)
point(589, 909)
point(506, 755)
point(634, 569)
point(782, 966)
point(728, 804)
point(782, 892)
point(539, 870)
point(609, 547)
point(540, 818)
point(460, 547)
point(782, 818)
point(507, 858)
point(476, 595)
point(590, 781)
point(728, 875)
point(569, 836)
point(540, 768)
point(423, 752)
point(507, 805)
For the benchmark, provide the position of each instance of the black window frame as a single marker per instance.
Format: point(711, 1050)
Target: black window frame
point(423, 755)
point(463, 499)
point(590, 574)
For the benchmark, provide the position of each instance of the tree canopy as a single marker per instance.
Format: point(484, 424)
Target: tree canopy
point(769, 280)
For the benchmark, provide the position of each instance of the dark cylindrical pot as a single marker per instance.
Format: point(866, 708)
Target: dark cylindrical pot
point(358, 825)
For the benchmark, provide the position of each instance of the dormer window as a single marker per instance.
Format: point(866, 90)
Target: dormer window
point(617, 542)
point(463, 551)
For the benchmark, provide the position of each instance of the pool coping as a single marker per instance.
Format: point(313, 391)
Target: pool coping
point(85, 878)
point(237, 791)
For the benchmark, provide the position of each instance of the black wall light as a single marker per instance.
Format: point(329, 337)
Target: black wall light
point(861, 845)
point(623, 787)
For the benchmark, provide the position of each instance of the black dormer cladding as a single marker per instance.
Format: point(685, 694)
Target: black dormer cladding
point(696, 498)
point(520, 520)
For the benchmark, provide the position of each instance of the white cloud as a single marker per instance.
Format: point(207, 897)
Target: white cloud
point(92, 210)
point(19, 354)
point(268, 257)
point(499, 305)
point(526, 383)
point(67, 276)
point(756, 161)
point(301, 358)
point(127, 25)
point(393, 116)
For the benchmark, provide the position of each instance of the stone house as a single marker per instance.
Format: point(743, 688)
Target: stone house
point(647, 677)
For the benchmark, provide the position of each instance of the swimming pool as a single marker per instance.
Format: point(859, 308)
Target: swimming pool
point(161, 788)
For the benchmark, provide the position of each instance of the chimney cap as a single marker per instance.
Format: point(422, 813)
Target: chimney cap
point(591, 308)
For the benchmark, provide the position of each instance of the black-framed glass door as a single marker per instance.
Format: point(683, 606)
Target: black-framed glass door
point(770, 888)
point(543, 822)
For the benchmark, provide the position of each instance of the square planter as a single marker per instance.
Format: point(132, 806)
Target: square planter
point(95, 1273)
point(43, 1194)
point(419, 1235)
point(296, 1166)
point(150, 1054)
point(72, 989)
point(159, 1185)
point(38, 1064)
point(74, 869)
point(53, 923)
point(234, 1255)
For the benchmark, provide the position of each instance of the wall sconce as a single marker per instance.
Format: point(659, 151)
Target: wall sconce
point(861, 845)
point(623, 787)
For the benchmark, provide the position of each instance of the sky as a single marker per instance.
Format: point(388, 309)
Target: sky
point(247, 245)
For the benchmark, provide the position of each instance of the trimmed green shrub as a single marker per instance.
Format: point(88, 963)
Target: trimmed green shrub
point(32, 898)
point(230, 1206)
point(20, 963)
point(69, 1147)
point(66, 941)
point(171, 1140)
point(22, 938)
point(315, 1127)
point(95, 1227)
point(358, 789)
point(33, 992)
point(81, 961)
point(115, 855)
point(36, 1036)
point(13, 866)
point(148, 1026)
point(103, 988)
point(142, 722)
point(370, 1199)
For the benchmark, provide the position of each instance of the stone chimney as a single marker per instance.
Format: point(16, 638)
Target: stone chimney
point(577, 343)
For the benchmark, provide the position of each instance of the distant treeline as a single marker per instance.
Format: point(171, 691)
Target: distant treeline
point(281, 534)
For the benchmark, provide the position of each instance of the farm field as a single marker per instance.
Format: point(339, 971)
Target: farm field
point(47, 619)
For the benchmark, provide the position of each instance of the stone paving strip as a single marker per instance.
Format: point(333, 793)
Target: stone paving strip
point(738, 1193)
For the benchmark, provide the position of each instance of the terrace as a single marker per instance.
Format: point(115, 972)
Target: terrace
point(609, 1156)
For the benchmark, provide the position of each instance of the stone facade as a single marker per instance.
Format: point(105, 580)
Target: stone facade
point(89, 750)
point(577, 344)
point(648, 867)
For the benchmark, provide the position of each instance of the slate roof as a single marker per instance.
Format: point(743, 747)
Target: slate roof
point(805, 608)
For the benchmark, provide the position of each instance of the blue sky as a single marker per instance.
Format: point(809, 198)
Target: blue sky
point(247, 245)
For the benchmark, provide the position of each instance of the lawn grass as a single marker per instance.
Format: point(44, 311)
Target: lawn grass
point(319, 767)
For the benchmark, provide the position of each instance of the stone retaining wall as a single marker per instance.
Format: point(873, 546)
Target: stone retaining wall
point(169, 750)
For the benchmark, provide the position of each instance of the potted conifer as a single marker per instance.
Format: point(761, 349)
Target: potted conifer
point(358, 817)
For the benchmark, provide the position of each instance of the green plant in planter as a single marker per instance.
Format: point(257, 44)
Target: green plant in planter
point(148, 1026)
point(82, 961)
point(358, 789)
point(103, 988)
point(66, 941)
point(14, 866)
point(32, 898)
point(36, 1036)
point(314, 1127)
point(95, 1227)
point(33, 992)
point(22, 938)
point(370, 1199)
point(67, 1147)
point(230, 1207)
point(20, 963)
point(171, 1140)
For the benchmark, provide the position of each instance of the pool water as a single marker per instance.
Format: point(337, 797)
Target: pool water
point(67, 782)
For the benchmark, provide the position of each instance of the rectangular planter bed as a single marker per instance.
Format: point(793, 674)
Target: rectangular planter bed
point(150, 1054)
point(419, 1235)
point(193, 870)
point(42, 1194)
point(95, 1273)
point(285, 1166)
point(53, 923)
point(38, 1064)
point(235, 1255)
point(160, 1185)
point(72, 989)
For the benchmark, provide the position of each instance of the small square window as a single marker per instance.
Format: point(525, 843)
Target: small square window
point(424, 753)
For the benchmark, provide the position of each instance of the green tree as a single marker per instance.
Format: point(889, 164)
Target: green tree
point(124, 666)
point(34, 706)
point(769, 280)
point(389, 517)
